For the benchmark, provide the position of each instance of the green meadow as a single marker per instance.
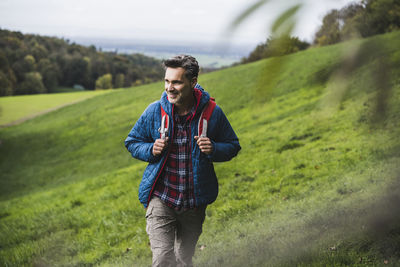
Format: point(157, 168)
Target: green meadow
point(315, 184)
point(15, 109)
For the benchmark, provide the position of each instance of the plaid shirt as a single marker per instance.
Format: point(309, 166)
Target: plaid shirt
point(175, 186)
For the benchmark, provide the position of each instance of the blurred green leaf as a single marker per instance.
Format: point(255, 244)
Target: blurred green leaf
point(250, 10)
point(286, 18)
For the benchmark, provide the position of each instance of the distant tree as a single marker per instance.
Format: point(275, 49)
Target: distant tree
point(104, 82)
point(86, 77)
point(282, 45)
point(12, 42)
point(32, 84)
point(12, 79)
point(370, 17)
point(381, 16)
point(132, 76)
point(23, 66)
point(119, 80)
point(340, 25)
point(99, 67)
point(329, 33)
point(75, 49)
point(30, 63)
point(8, 82)
point(4, 65)
point(353, 19)
point(50, 73)
point(76, 71)
point(256, 54)
point(5, 85)
point(39, 51)
point(60, 62)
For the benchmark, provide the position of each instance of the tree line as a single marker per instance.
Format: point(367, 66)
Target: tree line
point(356, 20)
point(31, 64)
point(364, 19)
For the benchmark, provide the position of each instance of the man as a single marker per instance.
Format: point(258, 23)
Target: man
point(179, 181)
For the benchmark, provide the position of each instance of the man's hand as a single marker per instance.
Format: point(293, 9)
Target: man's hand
point(204, 144)
point(159, 146)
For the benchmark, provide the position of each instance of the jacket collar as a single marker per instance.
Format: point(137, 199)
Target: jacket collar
point(202, 97)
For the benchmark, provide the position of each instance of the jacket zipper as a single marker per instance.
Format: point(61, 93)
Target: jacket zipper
point(165, 160)
point(191, 157)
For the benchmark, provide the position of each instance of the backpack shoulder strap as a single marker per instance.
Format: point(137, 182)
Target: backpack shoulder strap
point(205, 117)
point(164, 124)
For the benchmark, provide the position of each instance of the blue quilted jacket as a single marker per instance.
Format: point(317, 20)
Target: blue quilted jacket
point(143, 134)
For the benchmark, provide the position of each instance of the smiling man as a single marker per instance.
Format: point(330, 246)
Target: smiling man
point(180, 143)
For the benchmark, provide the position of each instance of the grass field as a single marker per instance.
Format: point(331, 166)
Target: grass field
point(18, 108)
point(314, 185)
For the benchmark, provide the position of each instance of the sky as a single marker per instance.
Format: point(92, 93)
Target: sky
point(172, 21)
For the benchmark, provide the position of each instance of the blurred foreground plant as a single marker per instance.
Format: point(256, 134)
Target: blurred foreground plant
point(354, 56)
point(372, 55)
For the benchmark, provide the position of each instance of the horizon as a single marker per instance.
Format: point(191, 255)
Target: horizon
point(210, 55)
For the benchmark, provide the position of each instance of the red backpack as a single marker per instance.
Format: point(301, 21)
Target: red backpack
point(203, 121)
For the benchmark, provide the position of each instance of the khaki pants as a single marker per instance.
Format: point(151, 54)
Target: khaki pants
point(173, 234)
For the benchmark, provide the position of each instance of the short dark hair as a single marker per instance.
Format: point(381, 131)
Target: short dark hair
point(187, 62)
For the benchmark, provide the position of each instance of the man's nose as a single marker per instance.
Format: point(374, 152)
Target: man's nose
point(170, 87)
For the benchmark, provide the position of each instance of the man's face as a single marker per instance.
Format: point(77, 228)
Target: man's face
point(178, 87)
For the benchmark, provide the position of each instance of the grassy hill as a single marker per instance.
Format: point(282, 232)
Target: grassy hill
point(314, 185)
